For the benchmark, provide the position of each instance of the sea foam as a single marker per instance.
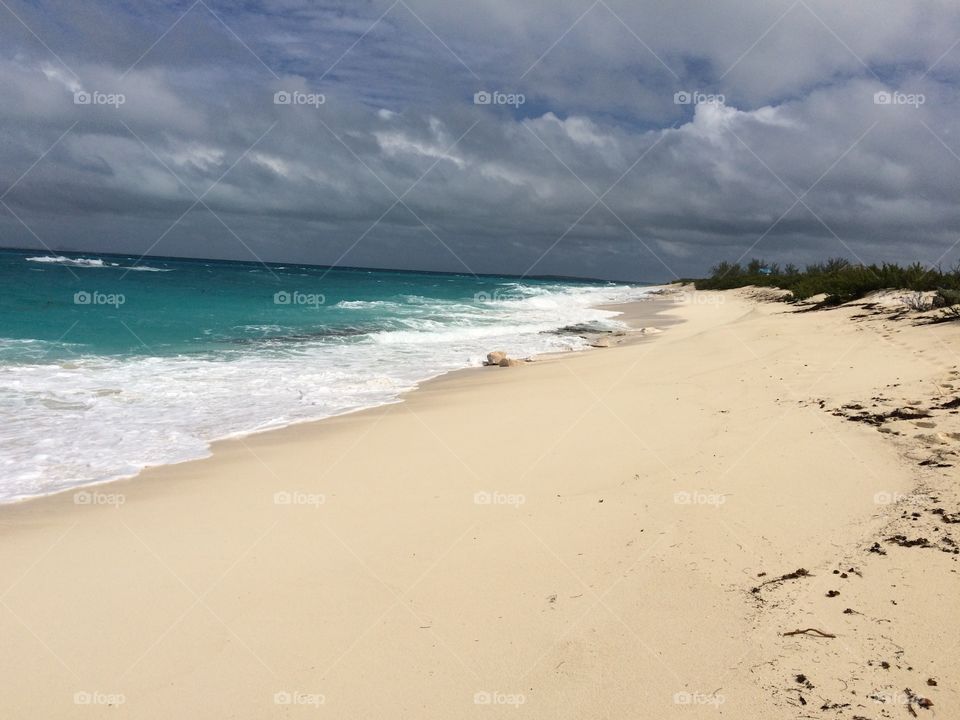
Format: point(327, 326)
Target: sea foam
point(87, 418)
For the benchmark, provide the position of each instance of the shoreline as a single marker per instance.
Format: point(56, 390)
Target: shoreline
point(629, 337)
point(567, 539)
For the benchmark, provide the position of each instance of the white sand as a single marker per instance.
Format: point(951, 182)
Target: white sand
point(635, 495)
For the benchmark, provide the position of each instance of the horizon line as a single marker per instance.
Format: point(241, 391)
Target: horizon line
point(364, 268)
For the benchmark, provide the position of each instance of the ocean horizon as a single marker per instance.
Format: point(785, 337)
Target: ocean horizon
point(111, 363)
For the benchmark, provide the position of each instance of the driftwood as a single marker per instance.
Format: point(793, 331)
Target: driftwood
point(810, 631)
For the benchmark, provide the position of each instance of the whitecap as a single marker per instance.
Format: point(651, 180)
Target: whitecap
point(73, 262)
point(91, 263)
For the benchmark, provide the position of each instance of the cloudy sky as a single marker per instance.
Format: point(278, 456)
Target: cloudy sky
point(628, 139)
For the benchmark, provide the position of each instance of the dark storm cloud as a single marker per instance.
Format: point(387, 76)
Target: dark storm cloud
point(601, 171)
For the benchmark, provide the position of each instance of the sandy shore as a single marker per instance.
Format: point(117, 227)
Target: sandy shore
point(576, 538)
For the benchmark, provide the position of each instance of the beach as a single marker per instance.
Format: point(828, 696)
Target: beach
point(603, 534)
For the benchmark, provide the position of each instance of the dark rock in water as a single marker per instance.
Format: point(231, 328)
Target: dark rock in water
point(580, 329)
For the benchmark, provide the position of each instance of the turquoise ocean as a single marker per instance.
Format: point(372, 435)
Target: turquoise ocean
point(109, 364)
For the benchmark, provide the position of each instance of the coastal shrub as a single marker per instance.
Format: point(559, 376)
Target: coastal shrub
point(948, 297)
point(917, 301)
point(838, 278)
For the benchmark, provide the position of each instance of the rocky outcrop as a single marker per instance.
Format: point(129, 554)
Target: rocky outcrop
point(498, 358)
point(495, 357)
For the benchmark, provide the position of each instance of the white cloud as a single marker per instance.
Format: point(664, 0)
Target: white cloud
point(799, 114)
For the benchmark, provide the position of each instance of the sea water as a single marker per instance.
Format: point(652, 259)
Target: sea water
point(109, 364)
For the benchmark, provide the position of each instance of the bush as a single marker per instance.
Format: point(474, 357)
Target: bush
point(841, 280)
point(948, 297)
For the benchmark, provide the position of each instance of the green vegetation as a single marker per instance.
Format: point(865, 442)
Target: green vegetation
point(841, 280)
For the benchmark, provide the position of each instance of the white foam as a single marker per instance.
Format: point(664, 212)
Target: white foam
point(364, 304)
point(75, 262)
point(91, 263)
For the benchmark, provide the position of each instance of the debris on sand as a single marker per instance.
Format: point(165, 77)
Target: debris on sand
point(798, 573)
point(855, 413)
point(902, 541)
point(951, 518)
point(834, 706)
point(810, 631)
point(914, 699)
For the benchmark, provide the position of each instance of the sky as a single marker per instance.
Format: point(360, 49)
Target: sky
point(631, 140)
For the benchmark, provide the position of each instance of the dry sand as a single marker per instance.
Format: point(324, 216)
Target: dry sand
point(575, 538)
